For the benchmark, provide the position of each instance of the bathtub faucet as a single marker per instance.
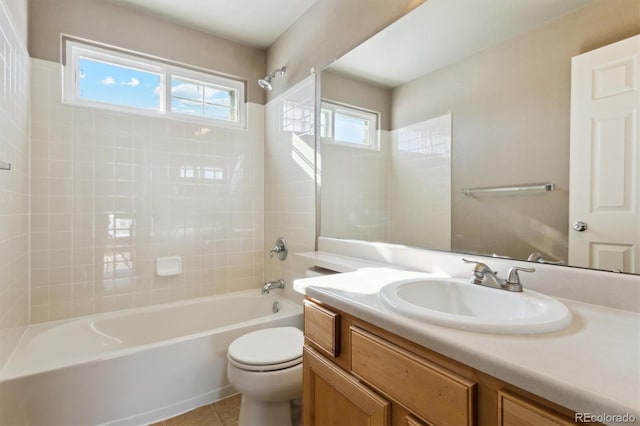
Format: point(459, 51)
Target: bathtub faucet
point(270, 285)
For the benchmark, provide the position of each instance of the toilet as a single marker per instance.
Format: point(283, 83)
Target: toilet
point(265, 366)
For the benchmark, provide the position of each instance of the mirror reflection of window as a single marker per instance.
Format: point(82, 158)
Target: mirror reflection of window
point(349, 125)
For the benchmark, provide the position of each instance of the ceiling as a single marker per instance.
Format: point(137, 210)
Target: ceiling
point(440, 32)
point(256, 23)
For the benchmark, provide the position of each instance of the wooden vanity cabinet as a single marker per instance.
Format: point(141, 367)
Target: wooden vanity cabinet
point(333, 397)
point(514, 410)
point(358, 374)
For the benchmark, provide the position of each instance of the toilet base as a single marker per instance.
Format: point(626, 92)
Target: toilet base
point(264, 413)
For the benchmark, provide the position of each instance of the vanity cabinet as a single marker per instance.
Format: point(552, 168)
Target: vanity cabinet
point(514, 410)
point(356, 373)
point(333, 397)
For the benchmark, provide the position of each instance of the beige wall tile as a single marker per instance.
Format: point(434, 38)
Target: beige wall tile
point(108, 206)
point(289, 181)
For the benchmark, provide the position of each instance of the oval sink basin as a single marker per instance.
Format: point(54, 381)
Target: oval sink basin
point(454, 302)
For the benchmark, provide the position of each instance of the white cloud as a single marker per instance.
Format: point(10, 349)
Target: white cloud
point(82, 75)
point(134, 82)
point(108, 81)
point(192, 91)
point(188, 91)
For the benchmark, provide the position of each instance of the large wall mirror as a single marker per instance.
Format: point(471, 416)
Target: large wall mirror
point(459, 96)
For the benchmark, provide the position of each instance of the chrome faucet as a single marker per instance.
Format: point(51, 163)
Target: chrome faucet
point(271, 285)
point(537, 257)
point(483, 275)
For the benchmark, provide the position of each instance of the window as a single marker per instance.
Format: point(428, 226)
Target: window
point(347, 125)
point(104, 78)
point(202, 99)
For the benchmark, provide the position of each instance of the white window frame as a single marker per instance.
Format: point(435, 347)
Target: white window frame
point(371, 116)
point(71, 80)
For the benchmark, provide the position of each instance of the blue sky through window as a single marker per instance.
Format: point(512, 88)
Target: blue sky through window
point(121, 81)
point(347, 125)
point(351, 129)
point(119, 85)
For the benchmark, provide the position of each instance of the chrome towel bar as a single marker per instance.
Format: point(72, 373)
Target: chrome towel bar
point(547, 187)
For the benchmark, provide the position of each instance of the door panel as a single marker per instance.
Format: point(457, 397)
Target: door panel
point(605, 157)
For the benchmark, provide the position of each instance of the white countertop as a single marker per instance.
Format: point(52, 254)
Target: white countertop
point(592, 366)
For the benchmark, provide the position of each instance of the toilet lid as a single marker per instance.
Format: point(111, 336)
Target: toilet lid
point(279, 347)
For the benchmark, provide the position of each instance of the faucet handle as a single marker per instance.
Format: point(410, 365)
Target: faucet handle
point(280, 249)
point(512, 275)
point(480, 267)
point(479, 271)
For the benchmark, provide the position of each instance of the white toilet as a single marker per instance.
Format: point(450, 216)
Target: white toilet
point(265, 366)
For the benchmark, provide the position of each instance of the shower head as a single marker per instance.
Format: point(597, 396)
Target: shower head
point(265, 82)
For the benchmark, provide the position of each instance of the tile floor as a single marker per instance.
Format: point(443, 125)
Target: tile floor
point(221, 413)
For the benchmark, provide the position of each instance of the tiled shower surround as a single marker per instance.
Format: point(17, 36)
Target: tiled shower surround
point(289, 179)
point(365, 192)
point(111, 192)
point(14, 183)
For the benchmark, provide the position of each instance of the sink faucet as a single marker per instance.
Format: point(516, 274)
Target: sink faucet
point(483, 275)
point(271, 285)
point(537, 257)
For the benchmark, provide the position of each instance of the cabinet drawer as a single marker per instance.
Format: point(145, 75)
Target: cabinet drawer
point(426, 389)
point(322, 328)
point(514, 410)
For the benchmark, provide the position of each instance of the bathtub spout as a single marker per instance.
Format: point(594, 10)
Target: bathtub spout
point(270, 285)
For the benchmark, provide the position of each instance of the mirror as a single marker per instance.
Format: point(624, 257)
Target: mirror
point(457, 96)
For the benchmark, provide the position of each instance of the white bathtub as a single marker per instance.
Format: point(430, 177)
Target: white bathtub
point(135, 366)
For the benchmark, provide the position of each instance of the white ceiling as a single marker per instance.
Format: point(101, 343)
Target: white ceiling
point(255, 23)
point(440, 32)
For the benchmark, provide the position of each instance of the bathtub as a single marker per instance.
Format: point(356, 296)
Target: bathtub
point(135, 366)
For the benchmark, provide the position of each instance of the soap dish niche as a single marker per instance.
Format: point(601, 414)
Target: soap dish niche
point(168, 266)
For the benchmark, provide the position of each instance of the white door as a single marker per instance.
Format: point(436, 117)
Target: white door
point(604, 191)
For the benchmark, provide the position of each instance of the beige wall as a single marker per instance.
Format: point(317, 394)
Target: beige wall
point(14, 183)
point(510, 107)
point(108, 23)
point(328, 30)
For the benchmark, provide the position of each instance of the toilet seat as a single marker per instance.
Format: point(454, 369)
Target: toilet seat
point(268, 349)
point(265, 368)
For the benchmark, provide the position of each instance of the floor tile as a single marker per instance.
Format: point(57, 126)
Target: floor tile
point(228, 409)
point(221, 413)
point(203, 416)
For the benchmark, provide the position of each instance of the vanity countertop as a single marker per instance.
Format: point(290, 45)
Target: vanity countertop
point(593, 366)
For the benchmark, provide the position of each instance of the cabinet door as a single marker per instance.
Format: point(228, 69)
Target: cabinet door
point(412, 421)
point(331, 397)
point(513, 410)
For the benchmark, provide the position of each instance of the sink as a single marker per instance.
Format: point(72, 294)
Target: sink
point(454, 302)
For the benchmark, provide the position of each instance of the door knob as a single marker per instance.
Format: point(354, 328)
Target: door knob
point(580, 226)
